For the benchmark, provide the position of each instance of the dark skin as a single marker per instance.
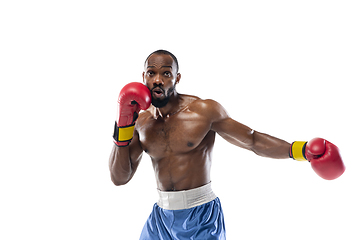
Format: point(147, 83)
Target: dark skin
point(179, 137)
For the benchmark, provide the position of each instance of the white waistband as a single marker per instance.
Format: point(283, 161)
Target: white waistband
point(186, 199)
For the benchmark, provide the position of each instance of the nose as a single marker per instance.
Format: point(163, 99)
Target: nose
point(158, 80)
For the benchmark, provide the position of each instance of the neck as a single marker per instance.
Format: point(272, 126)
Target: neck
point(172, 107)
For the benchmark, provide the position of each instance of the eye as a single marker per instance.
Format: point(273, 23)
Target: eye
point(150, 73)
point(167, 74)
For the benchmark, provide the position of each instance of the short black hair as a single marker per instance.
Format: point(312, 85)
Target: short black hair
point(161, 51)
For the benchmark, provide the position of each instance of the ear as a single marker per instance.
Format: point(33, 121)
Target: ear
point(178, 77)
point(143, 75)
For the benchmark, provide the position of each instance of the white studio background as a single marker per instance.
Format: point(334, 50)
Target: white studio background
point(286, 68)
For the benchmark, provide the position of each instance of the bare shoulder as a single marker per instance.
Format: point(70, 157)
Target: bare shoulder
point(208, 108)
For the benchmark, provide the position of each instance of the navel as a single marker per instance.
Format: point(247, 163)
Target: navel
point(190, 144)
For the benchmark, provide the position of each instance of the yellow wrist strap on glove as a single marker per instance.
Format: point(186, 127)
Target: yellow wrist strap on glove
point(297, 150)
point(124, 134)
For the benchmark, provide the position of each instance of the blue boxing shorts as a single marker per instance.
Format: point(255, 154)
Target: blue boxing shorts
point(190, 214)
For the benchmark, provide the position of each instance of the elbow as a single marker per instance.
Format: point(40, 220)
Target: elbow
point(118, 182)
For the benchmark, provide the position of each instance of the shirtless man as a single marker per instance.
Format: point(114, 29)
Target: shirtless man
point(178, 132)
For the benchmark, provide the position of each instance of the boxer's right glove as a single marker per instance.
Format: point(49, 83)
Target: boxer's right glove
point(133, 97)
point(324, 157)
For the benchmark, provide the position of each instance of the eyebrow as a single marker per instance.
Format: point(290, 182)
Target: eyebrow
point(161, 67)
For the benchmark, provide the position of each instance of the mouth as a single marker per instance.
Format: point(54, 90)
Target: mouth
point(157, 92)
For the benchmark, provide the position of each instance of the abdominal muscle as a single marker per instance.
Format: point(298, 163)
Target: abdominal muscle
point(182, 172)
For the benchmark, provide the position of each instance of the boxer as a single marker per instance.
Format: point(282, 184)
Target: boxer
point(178, 132)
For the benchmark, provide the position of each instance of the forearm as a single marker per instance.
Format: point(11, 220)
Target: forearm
point(127, 151)
point(268, 146)
point(120, 165)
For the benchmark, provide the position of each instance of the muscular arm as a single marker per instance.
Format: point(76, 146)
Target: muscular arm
point(124, 161)
point(242, 136)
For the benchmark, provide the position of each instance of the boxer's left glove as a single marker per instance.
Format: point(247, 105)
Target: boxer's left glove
point(324, 157)
point(133, 97)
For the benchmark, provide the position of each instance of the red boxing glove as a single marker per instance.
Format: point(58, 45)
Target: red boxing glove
point(133, 97)
point(324, 157)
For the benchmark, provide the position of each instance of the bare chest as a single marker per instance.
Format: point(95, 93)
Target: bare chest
point(176, 134)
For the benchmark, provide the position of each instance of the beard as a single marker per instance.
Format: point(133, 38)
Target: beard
point(159, 103)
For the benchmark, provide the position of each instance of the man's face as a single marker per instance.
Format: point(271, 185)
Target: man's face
point(160, 76)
